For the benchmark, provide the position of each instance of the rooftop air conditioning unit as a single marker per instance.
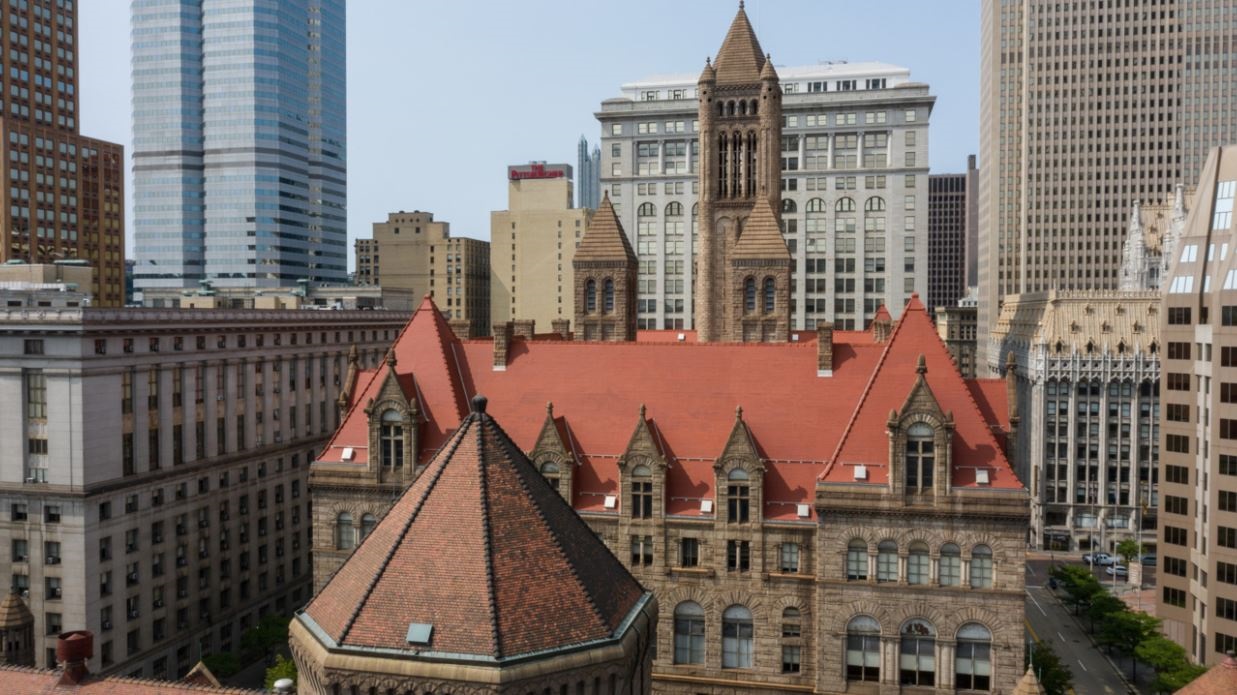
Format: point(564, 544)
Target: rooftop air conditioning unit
point(107, 624)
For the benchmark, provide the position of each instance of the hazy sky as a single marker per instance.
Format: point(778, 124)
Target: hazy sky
point(442, 96)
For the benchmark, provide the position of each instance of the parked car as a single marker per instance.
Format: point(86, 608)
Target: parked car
point(1101, 559)
point(1117, 570)
point(1149, 560)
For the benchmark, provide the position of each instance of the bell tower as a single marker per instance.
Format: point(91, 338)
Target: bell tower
point(740, 165)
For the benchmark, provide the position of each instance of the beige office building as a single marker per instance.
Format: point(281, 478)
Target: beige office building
point(153, 478)
point(532, 244)
point(1085, 108)
point(1198, 448)
point(411, 251)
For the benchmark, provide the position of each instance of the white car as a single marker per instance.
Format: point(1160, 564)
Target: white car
point(1101, 559)
point(1117, 571)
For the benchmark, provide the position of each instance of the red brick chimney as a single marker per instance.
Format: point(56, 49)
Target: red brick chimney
point(73, 650)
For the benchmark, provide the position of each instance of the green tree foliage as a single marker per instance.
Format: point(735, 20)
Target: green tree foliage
point(1053, 675)
point(283, 668)
point(271, 631)
point(1172, 681)
point(1128, 550)
point(1173, 669)
point(1124, 631)
point(1103, 605)
point(1079, 584)
point(223, 664)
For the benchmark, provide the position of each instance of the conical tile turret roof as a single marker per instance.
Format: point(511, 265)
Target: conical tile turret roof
point(740, 59)
point(479, 558)
point(13, 612)
point(761, 238)
point(604, 240)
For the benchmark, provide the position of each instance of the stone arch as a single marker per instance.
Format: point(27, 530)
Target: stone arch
point(996, 623)
point(902, 613)
point(841, 541)
point(842, 616)
point(750, 601)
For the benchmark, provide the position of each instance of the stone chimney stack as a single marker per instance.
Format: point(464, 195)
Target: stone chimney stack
point(462, 328)
point(1011, 394)
point(502, 341)
point(524, 328)
point(73, 650)
point(824, 348)
point(562, 327)
point(882, 326)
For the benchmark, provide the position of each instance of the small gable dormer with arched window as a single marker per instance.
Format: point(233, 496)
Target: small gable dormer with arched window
point(642, 472)
point(739, 475)
point(552, 457)
point(920, 444)
point(393, 420)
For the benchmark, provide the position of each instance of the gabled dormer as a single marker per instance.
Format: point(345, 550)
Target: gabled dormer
point(551, 455)
point(393, 416)
point(739, 475)
point(920, 443)
point(642, 471)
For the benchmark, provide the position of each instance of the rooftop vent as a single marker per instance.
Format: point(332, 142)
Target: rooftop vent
point(805, 511)
point(348, 453)
point(981, 476)
point(419, 633)
point(706, 506)
point(861, 472)
point(610, 502)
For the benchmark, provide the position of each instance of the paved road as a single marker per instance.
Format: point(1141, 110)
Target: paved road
point(1050, 622)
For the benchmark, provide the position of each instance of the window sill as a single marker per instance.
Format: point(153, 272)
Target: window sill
point(795, 576)
point(692, 571)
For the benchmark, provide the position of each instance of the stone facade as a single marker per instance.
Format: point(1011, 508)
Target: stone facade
point(604, 270)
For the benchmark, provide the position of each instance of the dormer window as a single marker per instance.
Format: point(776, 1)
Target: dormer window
point(391, 440)
point(920, 457)
point(738, 496)
point(641, 492)
point(552, 474)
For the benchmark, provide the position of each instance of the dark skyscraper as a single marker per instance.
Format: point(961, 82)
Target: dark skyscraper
point(588, 167)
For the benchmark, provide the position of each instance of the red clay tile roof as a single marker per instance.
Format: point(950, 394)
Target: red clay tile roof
point(974, 445)
point(481, 548)
point(761, 238)
point(691, 391)
point(31, 681)
point(740, 58)
point(1220, 679)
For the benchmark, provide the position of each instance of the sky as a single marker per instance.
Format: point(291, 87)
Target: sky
point(443, 95)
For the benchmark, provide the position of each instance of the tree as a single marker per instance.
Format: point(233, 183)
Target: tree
point(1128, 549)
point(1079, 584)
point(257, 641)
point(1173, 670)
point(1054, 676)
point(283, 668)
point(1102, 606)
point(1124, 631)
point(222, 664)
point(1172, 681)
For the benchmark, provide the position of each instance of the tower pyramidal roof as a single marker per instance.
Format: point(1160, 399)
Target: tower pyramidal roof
point(604, 240)
point(761, 237)
point(479, 558)
point(740, 59)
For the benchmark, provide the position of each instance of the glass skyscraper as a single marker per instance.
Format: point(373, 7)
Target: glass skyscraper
point(239, 142)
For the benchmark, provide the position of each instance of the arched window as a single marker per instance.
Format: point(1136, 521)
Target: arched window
point(770, 295)
point(863, 649)
point(749, 295)
point(608, 296)
point(688, 633)
point(844, 205)
point(981, 567)
point(816, 215)
point(590, 296)
point(737, 637)
point(368, 522)
point(816, 205)
point(789, 205)
point(674, 209)
point(646, 210)
point(917, 657)
point(874, 204)
point(754, 107)
point(918, 564)
point(551, 473)
point(695, 224)
point(951, 565)
point(972, 658)
point(920, 457)
point(392, 440)
point(738, 496)
point(857, 559)
point(345, 534)
point(792, 645)
point(641, 492)
point(887, 561)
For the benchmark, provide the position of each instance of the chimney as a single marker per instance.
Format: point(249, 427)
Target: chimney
point(462, 328)
point(562, 327)
point(502, 340)
point(1011, 394)
point(524, 328)
point(824, 348)
point(73, 650)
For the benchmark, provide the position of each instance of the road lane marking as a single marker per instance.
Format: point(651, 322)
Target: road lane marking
point(1061, 636)
point(1084, 666)
point(1041, 608)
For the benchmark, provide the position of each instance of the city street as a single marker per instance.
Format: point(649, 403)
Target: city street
point(1050, 622)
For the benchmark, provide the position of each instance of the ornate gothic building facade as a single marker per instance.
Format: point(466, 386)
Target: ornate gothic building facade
point(828, 512)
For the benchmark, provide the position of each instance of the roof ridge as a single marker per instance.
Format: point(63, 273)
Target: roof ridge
point(863, 397)
point(399, 540)
point(487, 536)
point(554, 536)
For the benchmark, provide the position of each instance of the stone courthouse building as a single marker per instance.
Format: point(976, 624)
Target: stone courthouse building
point(821, 512)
